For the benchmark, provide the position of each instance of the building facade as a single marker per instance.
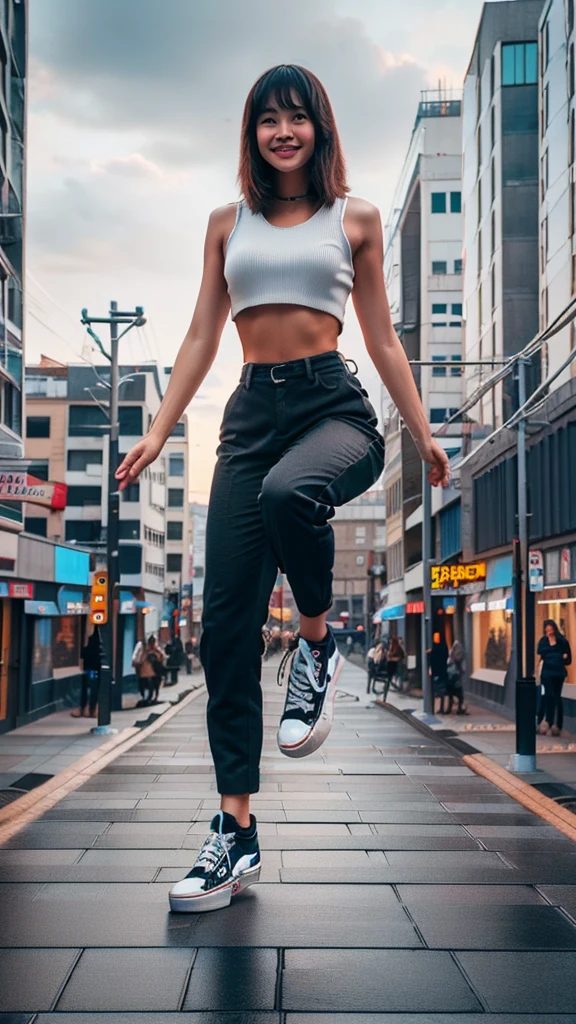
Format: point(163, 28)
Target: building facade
point(423, 269)
point(360, 546)
point(66, 434)
point(500, 196)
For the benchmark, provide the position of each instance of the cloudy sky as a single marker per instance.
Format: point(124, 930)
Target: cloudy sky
point(134, 114)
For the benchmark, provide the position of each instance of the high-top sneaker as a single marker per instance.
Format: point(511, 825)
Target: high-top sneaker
point(228, 862)
point(309, 707)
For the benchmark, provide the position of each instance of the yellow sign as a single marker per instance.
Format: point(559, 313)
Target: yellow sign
point(99, 598)
point(447, 577)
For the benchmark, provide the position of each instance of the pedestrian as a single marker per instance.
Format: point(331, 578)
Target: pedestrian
point(455, 674)
point(299, 437)
point(150, 674)
point(174, 658)
point(394, 658)
point(439, 669)
point(555, 654)
point(91, 655)
point(188, 653)
point(370, 668)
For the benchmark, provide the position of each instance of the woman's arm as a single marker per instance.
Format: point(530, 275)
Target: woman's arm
point(383, 345)
point(196, 355)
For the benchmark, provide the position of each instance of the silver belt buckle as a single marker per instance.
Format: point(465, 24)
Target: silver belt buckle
point(281, 380)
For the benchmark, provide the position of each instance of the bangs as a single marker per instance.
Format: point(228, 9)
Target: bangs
point(281, 83)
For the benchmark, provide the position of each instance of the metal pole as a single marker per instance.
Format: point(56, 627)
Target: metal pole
point(426, 639)
point(106, 680)
point(524, 760)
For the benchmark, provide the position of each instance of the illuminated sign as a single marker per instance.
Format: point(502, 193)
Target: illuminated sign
point(452, 576)
point(15, 486)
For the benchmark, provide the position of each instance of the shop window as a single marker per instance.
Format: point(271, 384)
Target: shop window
point(492, 640)
point(66, 641)
point(42, 650)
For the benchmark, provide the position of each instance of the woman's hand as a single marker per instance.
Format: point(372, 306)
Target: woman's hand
point(435, 456)
point(140, 456)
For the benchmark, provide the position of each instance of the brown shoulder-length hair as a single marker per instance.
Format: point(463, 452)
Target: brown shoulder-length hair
point(327, 166)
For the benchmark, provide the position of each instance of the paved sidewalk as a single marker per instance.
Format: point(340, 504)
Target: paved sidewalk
point(55, 742)
point(398, 888)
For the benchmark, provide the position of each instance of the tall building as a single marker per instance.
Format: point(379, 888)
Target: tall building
point(423, 269)
point(500, 194)
point(360, 545)
point(65, 439)
point(557, 179)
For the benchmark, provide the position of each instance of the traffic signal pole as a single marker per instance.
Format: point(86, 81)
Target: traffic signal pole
point(110, 626)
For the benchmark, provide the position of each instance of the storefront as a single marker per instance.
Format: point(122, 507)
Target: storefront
point(557, 601)
point(489, 631)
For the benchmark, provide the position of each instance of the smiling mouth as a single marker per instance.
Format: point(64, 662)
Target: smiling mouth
point(286, 149)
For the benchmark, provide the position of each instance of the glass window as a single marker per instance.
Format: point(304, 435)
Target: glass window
point(456, 371)
point(79, 460)
point(174, 563)
point(457, 266)
point(85, 531)
point(42, 650)
point(129, 529)
point(175, 497)
point(438, 371)
point(456, 309)
point(519, 64)
point(86, 421)
point(179, 430)
point(437, 415)
point(439, 307)
point(130, 420)
point(176, 465)
point(37, 426)
point(439, 267)
point(40, 468)
point(37, 525)
point(131, 493)
point(174, 530)
point(130, 558)
point(360, 534)
point(438, 202)
point(84, 496)
point(508, 72)
point(455, 202)
point(66, 641)
point(531, 52)
point(492, 640)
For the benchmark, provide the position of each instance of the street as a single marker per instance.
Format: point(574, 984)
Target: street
point(397, 886)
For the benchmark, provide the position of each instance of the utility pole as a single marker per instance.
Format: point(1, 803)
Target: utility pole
point(110, 628)
point(524, 760)
point(426, 630)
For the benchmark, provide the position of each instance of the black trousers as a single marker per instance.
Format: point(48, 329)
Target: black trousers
point(297, 439)
point(551, 706)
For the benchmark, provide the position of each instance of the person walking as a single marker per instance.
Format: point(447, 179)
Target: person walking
point(189, 651)
point(555, 654)
point(438, 669)
point(150, 671)
point(91, 665)
point(455, 675)
point(394, 658)
point(174, 657)
point(299, 437)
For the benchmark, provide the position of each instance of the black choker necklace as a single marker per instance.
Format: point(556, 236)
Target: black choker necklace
point(292, 199)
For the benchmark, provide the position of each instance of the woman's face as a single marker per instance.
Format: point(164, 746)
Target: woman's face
point(285, 137)
point(549, 631)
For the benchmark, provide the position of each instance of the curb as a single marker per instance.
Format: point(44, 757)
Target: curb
point(21, 812)
point(524, 794)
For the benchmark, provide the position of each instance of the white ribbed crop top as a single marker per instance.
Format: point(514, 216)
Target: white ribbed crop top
point(308, 264)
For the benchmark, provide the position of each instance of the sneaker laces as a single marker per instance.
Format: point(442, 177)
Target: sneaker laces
point(299, 682)
point(214, 846)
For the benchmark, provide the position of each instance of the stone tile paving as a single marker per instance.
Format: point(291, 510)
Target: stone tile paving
point(397, 888)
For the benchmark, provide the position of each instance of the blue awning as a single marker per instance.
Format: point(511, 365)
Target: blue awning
point(396, 611)
point(41, 608)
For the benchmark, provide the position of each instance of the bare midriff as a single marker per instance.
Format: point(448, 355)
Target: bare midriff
point(278, 332)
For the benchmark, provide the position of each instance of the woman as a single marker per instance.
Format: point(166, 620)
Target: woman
point(150, 671)
point(555, 654)
point(395, 655)
point(298, 437)
point(455, 674)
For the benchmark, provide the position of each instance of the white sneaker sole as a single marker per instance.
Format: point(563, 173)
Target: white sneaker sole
point(216, 899)
point(320, 731)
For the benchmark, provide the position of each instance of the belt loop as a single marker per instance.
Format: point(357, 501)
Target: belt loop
point(248, 375)
point(309, 371)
